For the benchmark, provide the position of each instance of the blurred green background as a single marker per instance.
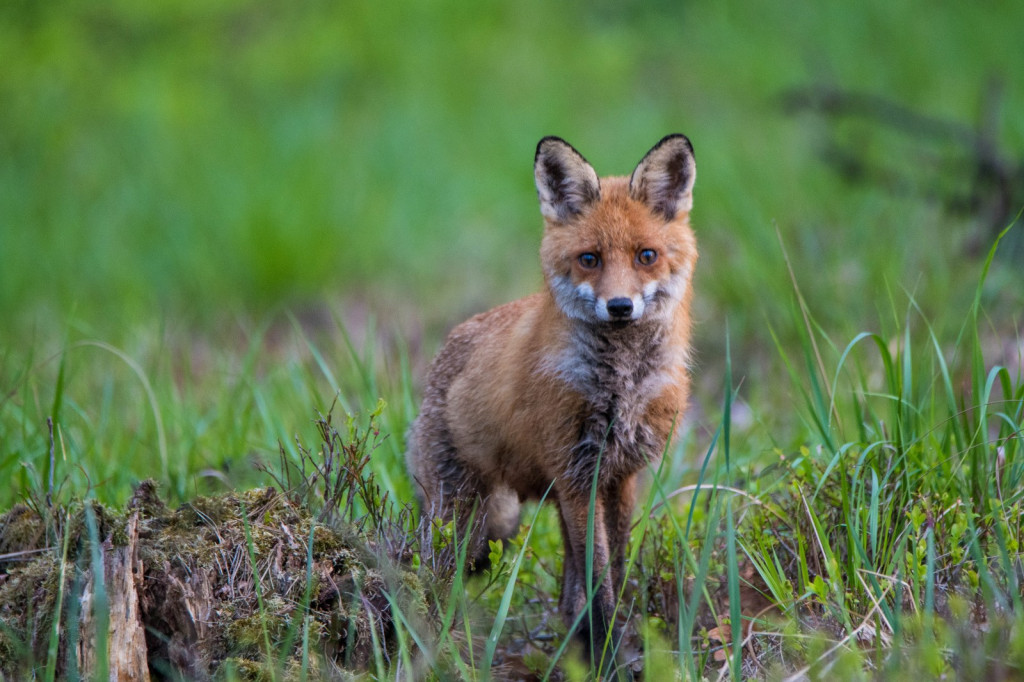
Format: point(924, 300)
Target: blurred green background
point(195, 157)
point(201, 165)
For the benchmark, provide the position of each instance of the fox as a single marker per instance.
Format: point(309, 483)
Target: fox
point(572, 392)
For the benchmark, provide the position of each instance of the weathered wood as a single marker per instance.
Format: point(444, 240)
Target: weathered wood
point(181, 606)
point(126, 654)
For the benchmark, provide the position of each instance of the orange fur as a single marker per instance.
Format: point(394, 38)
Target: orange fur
point(581, 382)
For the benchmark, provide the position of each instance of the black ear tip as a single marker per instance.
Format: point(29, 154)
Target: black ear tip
point(676, 139)
point(548, 141)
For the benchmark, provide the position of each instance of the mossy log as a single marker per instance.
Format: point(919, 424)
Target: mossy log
point(220, 583)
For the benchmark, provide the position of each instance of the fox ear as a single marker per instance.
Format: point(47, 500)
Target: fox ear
point(566, 183)
point(664, 177)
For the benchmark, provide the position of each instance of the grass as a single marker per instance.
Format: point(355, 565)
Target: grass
point(883, 540)
point(881, 545)
point(217, 220)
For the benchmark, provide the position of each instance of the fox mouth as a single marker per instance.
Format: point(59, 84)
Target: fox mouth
point(619, 323)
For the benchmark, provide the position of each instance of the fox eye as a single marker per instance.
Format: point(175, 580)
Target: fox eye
point(589, 260)
point(646, 256)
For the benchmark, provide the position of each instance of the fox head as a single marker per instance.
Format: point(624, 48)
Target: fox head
point(617, 250)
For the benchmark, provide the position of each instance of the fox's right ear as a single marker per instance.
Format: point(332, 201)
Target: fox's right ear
point(566, 183)
point(664, 177)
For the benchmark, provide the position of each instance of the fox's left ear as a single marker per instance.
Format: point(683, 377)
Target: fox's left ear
point(664, 177)
point(566, 183)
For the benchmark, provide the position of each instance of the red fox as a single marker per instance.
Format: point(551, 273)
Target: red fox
point(576, 388)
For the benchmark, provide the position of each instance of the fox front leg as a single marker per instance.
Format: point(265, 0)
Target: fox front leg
point(590, 593)
point(619, 502)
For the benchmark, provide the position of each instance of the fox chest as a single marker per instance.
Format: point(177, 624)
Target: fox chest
point(623, 381)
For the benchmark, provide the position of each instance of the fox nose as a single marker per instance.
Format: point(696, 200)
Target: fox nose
point(620, 307)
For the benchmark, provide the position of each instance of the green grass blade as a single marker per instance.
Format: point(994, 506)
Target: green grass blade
point(727, 402)
point(100, 601)
point(688, 618)
point(873, 514)
point(251, 549)
point(929, 566)
point(53, 646)
point(735, 615)
point(407, 626)
point(506, 597)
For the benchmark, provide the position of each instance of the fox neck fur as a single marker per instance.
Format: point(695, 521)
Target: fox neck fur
point(617, 369)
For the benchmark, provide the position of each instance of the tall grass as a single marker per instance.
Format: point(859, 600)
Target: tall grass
point(906, 498)
point(869, 543)
point(879, 540)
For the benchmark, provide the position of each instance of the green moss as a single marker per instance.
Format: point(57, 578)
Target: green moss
point(325, 541)
point(28, 601)
point(246, 633)
point(412, 595)
point(21, 528)
point(243, 669)
point(10, 647)
point(119, 533)
point(206, 510)
point(293, 672)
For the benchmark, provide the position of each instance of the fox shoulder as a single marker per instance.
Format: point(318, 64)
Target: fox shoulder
point(480, 334)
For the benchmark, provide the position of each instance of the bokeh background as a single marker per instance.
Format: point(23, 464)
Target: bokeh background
point(177, 177)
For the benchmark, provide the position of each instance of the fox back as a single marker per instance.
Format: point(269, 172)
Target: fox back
point(576, 388)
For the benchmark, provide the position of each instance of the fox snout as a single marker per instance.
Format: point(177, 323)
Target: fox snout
point(584, 304)
point(620, 309)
